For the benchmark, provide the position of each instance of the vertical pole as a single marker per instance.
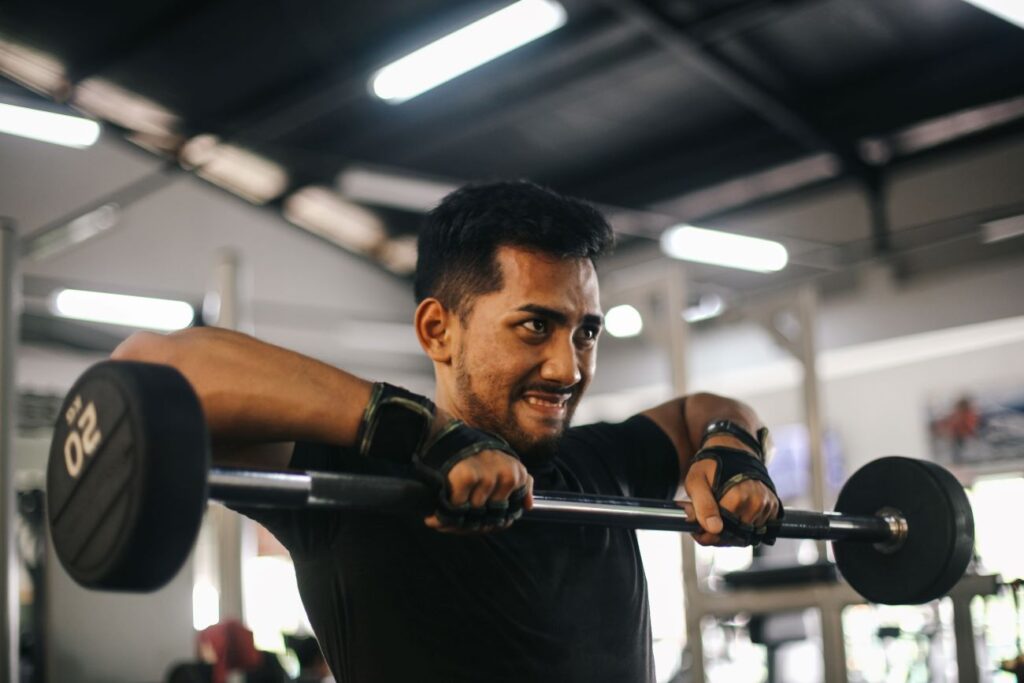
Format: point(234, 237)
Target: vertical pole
point(807, 304)
point(230, 527)
point(963, 632)
point(675, 304)
point(833, 645)
point(9, 291)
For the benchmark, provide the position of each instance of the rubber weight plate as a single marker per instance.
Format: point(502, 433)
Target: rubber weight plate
point(126, 478)
point(940, 538)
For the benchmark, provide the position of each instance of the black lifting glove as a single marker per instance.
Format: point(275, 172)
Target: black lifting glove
point(454, 443)
point(397, 426)
point(736, 466)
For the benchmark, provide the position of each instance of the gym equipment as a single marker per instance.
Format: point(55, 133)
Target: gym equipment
point(128, 479)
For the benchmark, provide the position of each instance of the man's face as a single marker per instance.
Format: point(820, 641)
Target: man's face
point(525, 354)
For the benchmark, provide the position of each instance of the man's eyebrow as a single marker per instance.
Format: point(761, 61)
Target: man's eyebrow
point(560, 317)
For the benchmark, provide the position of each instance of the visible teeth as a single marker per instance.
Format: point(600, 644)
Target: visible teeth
point(533, 400)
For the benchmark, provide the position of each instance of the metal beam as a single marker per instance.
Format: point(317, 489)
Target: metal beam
point(768, 106)
point(771, 107)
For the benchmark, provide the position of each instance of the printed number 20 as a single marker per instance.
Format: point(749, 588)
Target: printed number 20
point(82, 441)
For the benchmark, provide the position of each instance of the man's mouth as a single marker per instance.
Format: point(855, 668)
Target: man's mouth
point(549, 404)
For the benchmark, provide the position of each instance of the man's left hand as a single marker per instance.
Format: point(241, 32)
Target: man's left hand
point(751, 501)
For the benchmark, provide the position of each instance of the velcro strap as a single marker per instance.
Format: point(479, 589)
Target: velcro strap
point(756, 444)
point(395, 425)
point(455, 442)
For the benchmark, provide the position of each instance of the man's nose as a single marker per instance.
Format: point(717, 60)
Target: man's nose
point(562, 366)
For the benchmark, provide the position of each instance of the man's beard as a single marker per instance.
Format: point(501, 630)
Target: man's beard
point(531, 450)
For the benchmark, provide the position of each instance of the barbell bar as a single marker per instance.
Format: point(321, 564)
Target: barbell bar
point(129, 477)
point(340, 491)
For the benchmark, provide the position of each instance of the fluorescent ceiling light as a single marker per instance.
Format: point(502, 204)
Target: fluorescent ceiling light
point(623, 321)
point(466, 49)
point(395, 190)
point(1009, 10)
point(326, 213)
point(35, 70)
point(123, 107)
point(709, 306)
point(723, 249)
point(47, 126)
point(399, 255)
point(122, 309)
point(250, 176)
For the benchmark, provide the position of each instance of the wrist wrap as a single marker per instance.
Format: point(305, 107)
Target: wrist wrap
point(397, 425)
point(757, 443)
point(733, 467)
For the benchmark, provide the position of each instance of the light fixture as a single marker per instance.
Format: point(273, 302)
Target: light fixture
point(707, 307)
point(38, 71)
point(623, 321)
point(1002, 229)
point(392, 189)
point(122, 309)
point(48, 126)
point(1008, 10)
point(324, 212)
point(399, 255)
point(127, 109)
point(723, 249)
point(466, 49)
point(250, 176)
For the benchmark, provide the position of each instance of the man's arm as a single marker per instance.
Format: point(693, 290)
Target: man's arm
point(259, 398)
point(684, 421)
point(255, 395)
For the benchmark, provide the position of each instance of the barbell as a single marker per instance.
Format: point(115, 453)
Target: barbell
point(129, 476)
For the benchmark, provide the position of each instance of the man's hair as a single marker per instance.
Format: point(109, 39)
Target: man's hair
point(461, 235)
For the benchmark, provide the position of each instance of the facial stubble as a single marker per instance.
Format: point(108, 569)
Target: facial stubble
point(530, 449)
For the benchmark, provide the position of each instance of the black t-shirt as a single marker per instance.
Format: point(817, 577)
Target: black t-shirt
point(391, 600)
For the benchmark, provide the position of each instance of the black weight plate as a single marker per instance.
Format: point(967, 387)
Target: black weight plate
point(126, 478)
point(940, 537)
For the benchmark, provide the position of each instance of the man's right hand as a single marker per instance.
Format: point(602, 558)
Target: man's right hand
point(482, 485)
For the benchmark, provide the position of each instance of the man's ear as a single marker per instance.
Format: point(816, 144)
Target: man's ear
point(433, 324)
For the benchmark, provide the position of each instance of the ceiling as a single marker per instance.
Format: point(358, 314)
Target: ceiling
point(660, 108)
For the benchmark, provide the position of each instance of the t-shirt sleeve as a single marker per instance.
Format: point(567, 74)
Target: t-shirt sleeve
point(637, 455)
point(305, 531)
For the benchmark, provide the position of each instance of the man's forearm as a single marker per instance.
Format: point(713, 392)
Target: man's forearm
point(252, 391)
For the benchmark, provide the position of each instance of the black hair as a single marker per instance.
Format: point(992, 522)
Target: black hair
point(461, 235)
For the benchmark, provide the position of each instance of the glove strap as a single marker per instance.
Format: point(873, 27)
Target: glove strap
point(455, 442)
point(757, 443)
point(735, 466)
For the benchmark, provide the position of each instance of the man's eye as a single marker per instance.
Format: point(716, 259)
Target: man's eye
point(589, 333)
point(536, 325)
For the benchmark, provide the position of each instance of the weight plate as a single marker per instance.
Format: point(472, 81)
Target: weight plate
point(940, 538)
point(126, 478)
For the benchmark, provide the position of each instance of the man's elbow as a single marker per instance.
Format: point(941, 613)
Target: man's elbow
point(146, 347)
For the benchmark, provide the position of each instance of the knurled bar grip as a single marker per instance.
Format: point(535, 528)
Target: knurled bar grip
point(339, 491)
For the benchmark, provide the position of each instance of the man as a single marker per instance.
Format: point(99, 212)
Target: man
point(509, 315)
